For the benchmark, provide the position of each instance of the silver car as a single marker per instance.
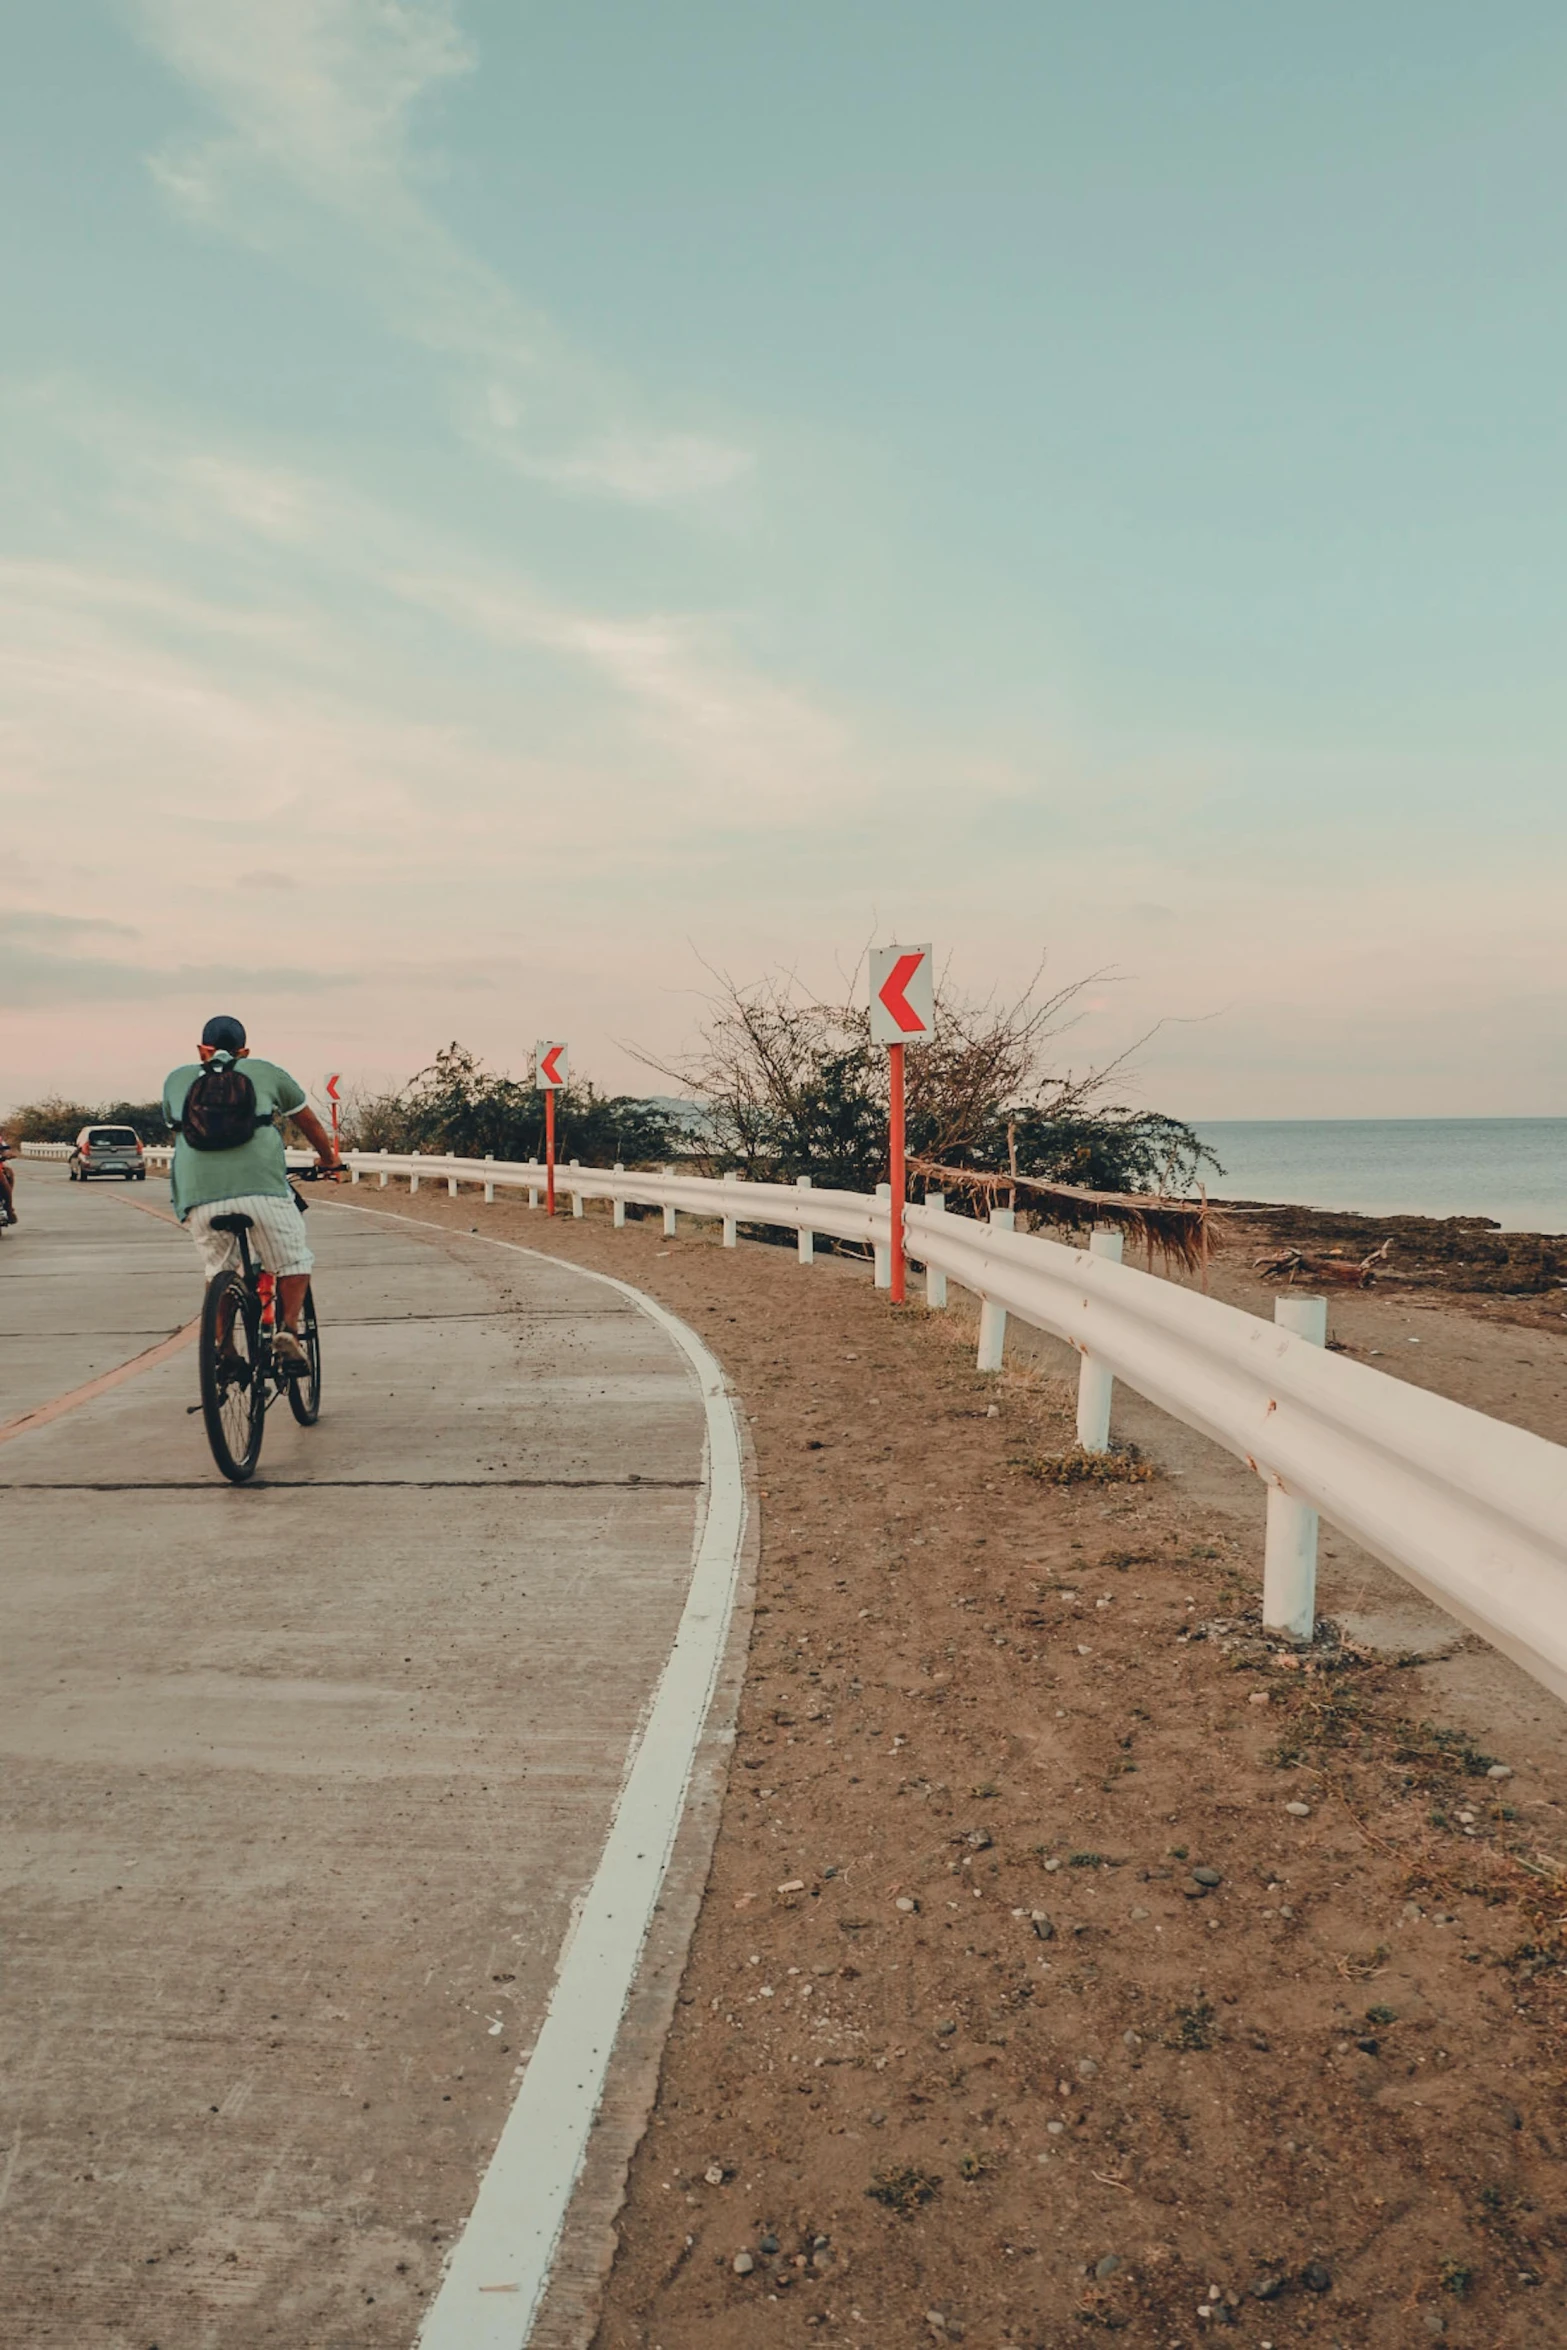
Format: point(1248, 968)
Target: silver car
point(108, 1150)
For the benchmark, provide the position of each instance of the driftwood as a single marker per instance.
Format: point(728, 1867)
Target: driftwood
point(1180, 1230)
point(1290, 1265)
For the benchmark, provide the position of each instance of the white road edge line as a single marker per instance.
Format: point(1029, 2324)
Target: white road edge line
point(497, 2271)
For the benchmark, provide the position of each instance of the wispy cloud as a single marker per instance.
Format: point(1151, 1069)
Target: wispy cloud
point(642, 472)
point(46, 961)
point(317, 100)
point(313, 571)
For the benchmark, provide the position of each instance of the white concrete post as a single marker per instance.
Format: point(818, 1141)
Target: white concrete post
point(451, 1186)
point(1094, 1382)
point(533, 1189)
point(732, 1223)
point(884, 1247)
point(1289, 1567)
point(353, 1175)
point(619, 1204)
point(577, 1207)
point(805, 1241)
point(489, 1184)
point(385, 1180)
point(413, 1185)
point(669, 1214)
point(936, 1283)
point(993, 1318)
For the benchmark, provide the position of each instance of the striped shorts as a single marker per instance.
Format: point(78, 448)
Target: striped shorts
point(277, 1234)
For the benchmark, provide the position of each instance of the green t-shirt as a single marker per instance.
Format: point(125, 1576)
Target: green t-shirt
point(197, 1178)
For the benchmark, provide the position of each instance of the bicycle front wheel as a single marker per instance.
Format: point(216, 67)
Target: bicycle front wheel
point(304, 1387)
point(233, 1390)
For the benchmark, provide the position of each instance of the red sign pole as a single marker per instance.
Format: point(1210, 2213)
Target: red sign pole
point(896, 1169)
point(549, 1150)
point(903, 1012)
point(331, 1095)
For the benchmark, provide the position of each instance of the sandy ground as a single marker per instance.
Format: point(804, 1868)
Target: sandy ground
point(967, 2049)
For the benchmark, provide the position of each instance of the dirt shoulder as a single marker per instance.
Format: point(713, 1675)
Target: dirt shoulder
point(967, 2047)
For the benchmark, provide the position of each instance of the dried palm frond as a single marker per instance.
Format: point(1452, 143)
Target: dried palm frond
point(1180, 1230)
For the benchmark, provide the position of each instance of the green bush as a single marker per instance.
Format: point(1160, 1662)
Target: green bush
point(458, 1105)
point(789, 1086)
point(57, 1120)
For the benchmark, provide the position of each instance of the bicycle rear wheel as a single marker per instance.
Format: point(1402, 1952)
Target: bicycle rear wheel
point(304, 1387)
point(233, 1390)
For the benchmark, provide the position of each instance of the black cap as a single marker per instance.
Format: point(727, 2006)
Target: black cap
point(224, 1034)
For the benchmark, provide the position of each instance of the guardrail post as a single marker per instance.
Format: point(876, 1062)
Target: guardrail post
point(669, 1214)
point(576, 1197)
point(618, 1204)
point(385, 1179)
point(533, 1189)
point(732, 1223)
point(353, 1175)
point(1289, 1566)
point(936, 1283)
point(993, 1318)
point(884, 1247)
point(1094, 1382)
point(805, 1241)
point(413, 1185)
point(489, 1183)
point(451, 1183)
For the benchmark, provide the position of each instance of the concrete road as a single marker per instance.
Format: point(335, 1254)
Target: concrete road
point(302, 1780)
point(85, 1284)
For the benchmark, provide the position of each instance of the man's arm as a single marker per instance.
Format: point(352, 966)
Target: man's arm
point(315, 1134)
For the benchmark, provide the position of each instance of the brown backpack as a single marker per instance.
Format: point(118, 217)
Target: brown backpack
point(220, 1112)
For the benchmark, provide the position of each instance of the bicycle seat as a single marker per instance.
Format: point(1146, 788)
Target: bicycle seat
point(231, 1223)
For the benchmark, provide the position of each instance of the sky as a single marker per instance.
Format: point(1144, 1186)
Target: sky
point(508, 510)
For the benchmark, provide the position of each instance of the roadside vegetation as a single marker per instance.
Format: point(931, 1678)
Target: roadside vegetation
point(781, 1084)
point(791, 1085)
point(56, 1120)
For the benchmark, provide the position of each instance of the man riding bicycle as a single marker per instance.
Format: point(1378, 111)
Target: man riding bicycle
point(229, 1160)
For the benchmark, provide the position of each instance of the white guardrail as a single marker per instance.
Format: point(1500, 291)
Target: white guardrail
point(1470, 1510)
point(156, 1154)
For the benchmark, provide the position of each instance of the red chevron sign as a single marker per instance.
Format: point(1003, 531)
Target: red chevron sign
point(903, 1009)
point(550, 1065)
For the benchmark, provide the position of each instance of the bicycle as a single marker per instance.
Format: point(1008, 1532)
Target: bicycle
point(240, 1379)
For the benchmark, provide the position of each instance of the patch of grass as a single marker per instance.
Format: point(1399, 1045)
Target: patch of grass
point(974, 2166)
point(1194, 2026)
point(1077, 1467)
point(1086, 1860)
point(903, 2191)
point(1436, 1753)
point(1457, 2277)
point(1531, 1959)
point(1381, 2015)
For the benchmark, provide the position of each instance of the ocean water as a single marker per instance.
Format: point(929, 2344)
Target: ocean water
point(1512, 1169)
